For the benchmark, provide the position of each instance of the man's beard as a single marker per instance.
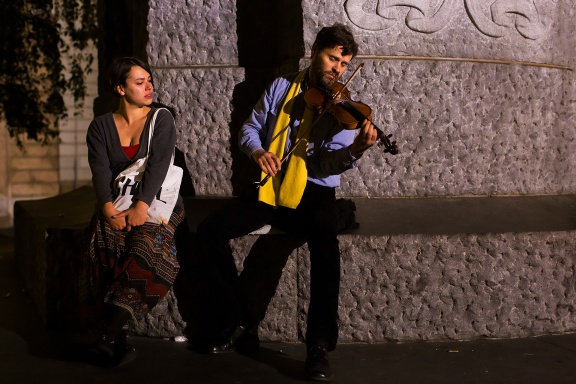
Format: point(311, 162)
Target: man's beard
point(327, 79)
point(324, 78)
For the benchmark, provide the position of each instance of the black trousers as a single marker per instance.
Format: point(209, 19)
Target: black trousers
point(315, 219)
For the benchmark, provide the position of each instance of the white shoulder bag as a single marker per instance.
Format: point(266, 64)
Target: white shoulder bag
point(127, 182)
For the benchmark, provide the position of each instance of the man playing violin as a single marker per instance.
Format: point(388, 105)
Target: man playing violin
point(301, 154)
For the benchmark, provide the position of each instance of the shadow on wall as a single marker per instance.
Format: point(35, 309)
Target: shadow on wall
point(207, 308)
point(270, 36)
point(122, 31)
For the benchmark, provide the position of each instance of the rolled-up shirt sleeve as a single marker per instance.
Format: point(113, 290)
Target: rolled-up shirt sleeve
point(256, 132)
point(250, 136)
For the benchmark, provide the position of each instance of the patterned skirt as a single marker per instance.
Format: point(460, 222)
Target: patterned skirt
point(134, 270)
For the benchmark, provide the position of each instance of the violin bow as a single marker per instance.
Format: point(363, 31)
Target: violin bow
point(337, 94)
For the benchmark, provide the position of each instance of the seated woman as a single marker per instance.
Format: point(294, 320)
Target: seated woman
point(135, 260)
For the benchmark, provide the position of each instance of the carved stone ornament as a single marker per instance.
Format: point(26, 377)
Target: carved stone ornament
point(494, 18)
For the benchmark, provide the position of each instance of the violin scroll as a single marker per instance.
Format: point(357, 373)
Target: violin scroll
point(389, 147)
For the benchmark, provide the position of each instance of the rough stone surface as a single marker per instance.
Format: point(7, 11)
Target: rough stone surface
point(202, 101)
point(458, 132)
point(458, 287)
point(164, 320)
point(427, 287)
point(463, 128)
point(402, 287)
point(192, 33)
point(506, 30)
point(279, 322)
point(467, 128)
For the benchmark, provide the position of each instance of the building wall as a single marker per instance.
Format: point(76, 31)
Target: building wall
point(194, 55)
point(494, 125)
point(478, 95)
point(73, 168)
point(42, 171)
point(29, 174)
point(3, 170)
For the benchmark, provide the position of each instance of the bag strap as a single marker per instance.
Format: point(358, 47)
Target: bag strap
point(151, 132)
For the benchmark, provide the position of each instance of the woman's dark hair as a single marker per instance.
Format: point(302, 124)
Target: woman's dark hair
point(336, 35)
point(119, 70)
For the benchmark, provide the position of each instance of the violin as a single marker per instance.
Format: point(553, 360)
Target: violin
point(350, 114)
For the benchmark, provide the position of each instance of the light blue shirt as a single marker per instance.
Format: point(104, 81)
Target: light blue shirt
point(328, 150)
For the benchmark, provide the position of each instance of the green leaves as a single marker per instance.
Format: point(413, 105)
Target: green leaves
point(42, 56)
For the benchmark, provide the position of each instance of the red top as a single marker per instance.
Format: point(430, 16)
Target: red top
point(131, 150)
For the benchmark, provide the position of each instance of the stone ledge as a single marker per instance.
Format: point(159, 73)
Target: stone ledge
point(439, 215)
point(435, 269)
point(415, 269)
point(49, 240)
point(456, 287)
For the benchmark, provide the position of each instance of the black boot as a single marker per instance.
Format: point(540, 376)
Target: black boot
point(111, 347)
point(317, 364)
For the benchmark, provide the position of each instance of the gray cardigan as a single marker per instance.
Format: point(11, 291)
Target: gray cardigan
point(107, 158)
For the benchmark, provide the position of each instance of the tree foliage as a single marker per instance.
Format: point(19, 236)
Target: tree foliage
point(42, 56)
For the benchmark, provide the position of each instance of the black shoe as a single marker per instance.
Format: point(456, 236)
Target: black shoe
point(237, 338)
point(249, 342)
point(317, 365)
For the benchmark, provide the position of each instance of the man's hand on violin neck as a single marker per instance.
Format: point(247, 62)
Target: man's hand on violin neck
point(268, 162)
point(366, 138)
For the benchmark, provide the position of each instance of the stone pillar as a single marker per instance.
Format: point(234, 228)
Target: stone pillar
point(478, 94)
point(193, 52)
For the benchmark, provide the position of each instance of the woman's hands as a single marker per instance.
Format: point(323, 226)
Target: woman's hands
point(134, 216)
point(109, 213)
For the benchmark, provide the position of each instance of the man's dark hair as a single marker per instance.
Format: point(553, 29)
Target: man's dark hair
point(119, 70)
point(336, 35)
